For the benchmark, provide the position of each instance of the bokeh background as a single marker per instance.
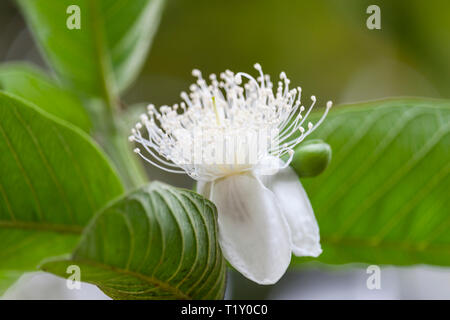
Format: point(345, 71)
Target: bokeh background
point(325, 47)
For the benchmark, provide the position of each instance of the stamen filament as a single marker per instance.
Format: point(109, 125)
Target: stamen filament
point(224, 109)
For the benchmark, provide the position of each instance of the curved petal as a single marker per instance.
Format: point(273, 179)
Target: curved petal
point(298, 211)
point(253, 233)
point(204, 188)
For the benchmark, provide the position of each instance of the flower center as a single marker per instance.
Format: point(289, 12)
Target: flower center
point(225, 127)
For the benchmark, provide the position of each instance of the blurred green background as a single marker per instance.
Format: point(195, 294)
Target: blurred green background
point(323, 45)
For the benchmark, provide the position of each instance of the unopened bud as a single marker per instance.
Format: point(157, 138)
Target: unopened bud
point(311, 158)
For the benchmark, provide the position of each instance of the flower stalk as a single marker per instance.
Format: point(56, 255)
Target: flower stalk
point(110, 133)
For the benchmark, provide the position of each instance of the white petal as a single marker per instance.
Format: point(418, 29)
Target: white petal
point(298, 211)
point(253, 233)
point(204, 188)
point(267, 166)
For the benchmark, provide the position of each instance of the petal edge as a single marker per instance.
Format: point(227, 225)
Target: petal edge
point(253, 232)
point(298, 211)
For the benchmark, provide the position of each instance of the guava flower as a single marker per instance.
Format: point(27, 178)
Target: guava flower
point(230, 136)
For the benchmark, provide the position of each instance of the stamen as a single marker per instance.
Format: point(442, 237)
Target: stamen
point(215, 110)
point(226, 108)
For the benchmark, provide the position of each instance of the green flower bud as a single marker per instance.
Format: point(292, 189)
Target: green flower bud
point(311, 158)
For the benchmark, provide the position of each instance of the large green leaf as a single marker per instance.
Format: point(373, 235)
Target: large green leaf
point(107, 52)
point(52, 180)
point(158, 242)
point(33, 85)
point(385, 197)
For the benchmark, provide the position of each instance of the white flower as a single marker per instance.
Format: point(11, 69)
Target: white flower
point(264, 214)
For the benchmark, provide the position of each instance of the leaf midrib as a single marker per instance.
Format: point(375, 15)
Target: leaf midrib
point(37, 226)
point(103, 59)
point(149, 279)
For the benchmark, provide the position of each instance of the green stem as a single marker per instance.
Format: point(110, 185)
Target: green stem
point(111, 135)
point(127, 163)
point(108, 130)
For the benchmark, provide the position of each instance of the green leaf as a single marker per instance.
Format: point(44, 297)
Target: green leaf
point(52, 180)
point(384, 199)
point(7, 278)
point(35, 86)
point(106, 54)
point(158, 242)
